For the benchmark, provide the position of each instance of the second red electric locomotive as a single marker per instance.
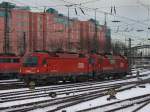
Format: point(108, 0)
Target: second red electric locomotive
point(9, 66)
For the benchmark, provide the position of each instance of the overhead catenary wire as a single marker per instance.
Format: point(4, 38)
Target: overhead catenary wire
point(108, 13)
point(90, 1)
point(80, 5)
point(116, 15)
point(92, 9)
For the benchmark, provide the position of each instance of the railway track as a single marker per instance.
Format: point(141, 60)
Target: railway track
point(25, 96)
point(68, 98)
point(6, 82)
point(62, 101)
point(43, 92)
point(52, 87)
point(123, 105)
point(68, 95)
point(16, 84)
point(11, 84)
point(7, 85)
point(24, 91)
point(70, 85)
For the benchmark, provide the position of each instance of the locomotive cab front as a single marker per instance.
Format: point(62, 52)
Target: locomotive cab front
point(33, 66)
point(30, 61)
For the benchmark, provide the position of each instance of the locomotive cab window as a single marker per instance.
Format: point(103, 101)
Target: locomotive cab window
point(30, 61)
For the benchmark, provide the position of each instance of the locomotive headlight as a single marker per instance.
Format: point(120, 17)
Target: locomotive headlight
point(37, 70)
point(20, 70)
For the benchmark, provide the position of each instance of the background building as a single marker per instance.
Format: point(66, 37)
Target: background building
point(28, 31)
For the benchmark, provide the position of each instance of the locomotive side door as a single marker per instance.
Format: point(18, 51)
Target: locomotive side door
point(44, 66)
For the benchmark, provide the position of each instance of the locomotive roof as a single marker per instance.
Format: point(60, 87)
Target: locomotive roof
point(58, 54)
point(8, 55)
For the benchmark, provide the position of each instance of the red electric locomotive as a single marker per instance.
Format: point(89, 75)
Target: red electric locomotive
point(43, 66)
point(54, 66)
point(111, 66)
point(9, 66)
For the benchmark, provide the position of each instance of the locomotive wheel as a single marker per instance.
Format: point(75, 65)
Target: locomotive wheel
point(73, 79)
point(31, 84)
point(82, 79)
point(101, 78)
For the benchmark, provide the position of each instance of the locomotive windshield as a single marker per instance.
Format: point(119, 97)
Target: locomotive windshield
point(30, 61)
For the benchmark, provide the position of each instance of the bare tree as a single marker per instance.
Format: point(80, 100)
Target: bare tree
point(119, 48)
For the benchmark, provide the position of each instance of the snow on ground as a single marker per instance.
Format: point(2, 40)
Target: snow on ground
point(97, 102)
point(142, 72)
point(13, 90)
point(9, 80)
point(145, 109)
point(130, 109)
point(41, 98)
point(120, 96)
point(9, 104)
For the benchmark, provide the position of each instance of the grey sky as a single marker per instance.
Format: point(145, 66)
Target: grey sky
point(133, 15)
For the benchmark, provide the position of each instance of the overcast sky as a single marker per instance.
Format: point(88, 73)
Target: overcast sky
point(132, 14)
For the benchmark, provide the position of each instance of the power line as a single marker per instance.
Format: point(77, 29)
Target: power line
point(139, 38)
point(37, 7)
point(90, 1)
point(104, 12)
point(99, 11)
